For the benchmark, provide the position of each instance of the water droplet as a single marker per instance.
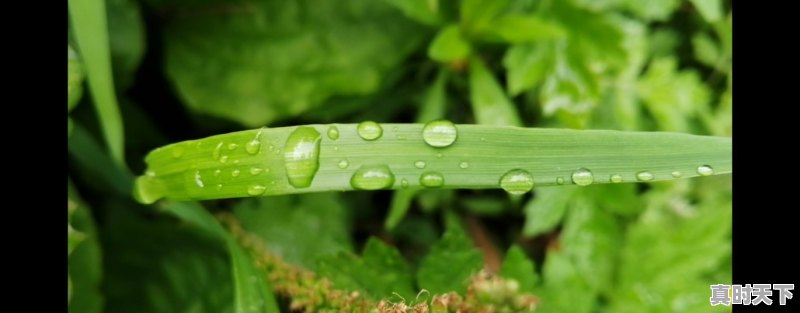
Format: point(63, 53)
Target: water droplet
point(198, 180)
point(302, 156)
point(217, 172)
point(419, 164)
point(372, 177)
point(255, 189)
point(644, 176)
point(177, 151)
point(223, 159)
point(255, 170)
point(232, 146)
point(560, 180)
point(333, 132)
point(400, 137)
point(219, 186)
point(483, 139)
point(369, 130)
point(431, 179)
point(616, 178)
point(253, 146)
point(236, 161)
point(150, 174)
point(343, 164)
point(404, 183)
point(676, 174)
point(583, 177)
point(336, 148)
point(705, 170)
point(217, 151)
point(271, 148)
point(439, 155)
point(394, 129)
point(439, 133)
point(235, 173)
point(463, 165)
point(516, 182)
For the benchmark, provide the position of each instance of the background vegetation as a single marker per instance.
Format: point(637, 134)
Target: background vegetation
point(183, 69)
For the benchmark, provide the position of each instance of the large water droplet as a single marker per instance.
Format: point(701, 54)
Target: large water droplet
point(439, 133)
point(333, 132)
point(343, 164)
point(705, 170)
point(302, 156)
point(463, 165)
point(616, 178)
point(255, 189)
point(582, 177)
point(644, 176)
point(431, 179)
point(198, 179)
point(253, 146)
point(369, 130)
point(419, 164)
point(217, 151)
point(372, 177)
point(516, 182)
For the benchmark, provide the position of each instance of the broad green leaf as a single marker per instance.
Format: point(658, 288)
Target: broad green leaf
point(475, 14)
point(706, 50)
point(546, 209)
point(450, 263)
point(88, 19)
point(301, 229)
point(519, 267)
point(379, 272)
point(74, 78)
point(662, 42)
point(517, 28)
point(423, 11)
point(257, 62)
point(126, 40)
point(673, 97)
point(84, 261)
point(490, 104)
point(449, 45)
point(590, 239)
point(564, 289)
point(527, 66)
point(652, 10)
point(252, 292)
point(209, 169)
point(158, 264)
point(711, 10)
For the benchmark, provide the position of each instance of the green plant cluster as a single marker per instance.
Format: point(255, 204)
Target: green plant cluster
point(143, 74)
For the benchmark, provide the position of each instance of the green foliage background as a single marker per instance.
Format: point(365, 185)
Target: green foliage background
point(185, 69)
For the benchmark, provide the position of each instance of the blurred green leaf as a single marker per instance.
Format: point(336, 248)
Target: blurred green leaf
point(527, 65)
point(564, 288)
point(380, 271)
point(88, 19)
point(423, 11)
point(449, 45)
point(301, 229)
point(475, 14)
point(84, 261)
point(662, 42)
point(450, 263)
point(256, 62)
point(711, 10)
point(673, 97)
point(490, 105)
point(519, 267)
point(590, 240)
point(74, 78)
point(652, 10)
point(706, 50)
point(126, 40)
point(517, 28)
point(544, 212)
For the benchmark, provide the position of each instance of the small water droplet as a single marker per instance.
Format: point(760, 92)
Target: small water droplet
point(483, 139)
point(516, 182)
point(150, 174)
point(235, 173)
point(705, 170)
point(395, 129)
point(271, 148)
point(333, 132)
point(302, 156)
point(431, 179)
point(217, 172)
point(235, 161)
point(217, 151)
point(369, 130)
point(177, 151)
point(644, 176)
point(419, 164)
point(232, 146)
point(256, 189)
point(400, 137)
point(255, 170)
point(560, 180)
point(439, 155)
point(676, 174)
point(343, 164)
point(223, 159)
point(463, 165)
point(583, 177)
point(219, 186)
point(198, 179)
point(253, 146)
point(372, 177)
point(616, 178)
point(404, 183)
point(336, 148)
point(439, 133)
